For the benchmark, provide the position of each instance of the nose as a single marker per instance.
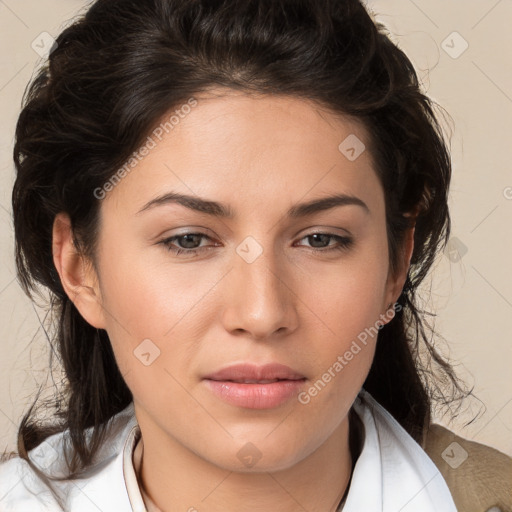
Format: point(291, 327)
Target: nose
point(260, 299)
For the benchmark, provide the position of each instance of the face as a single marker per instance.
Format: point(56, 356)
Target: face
point(244, 321)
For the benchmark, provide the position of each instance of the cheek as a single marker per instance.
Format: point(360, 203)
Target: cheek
point(347, 305)
point(344, 352)
point(148, 297)
point(343, 347)
point(152, 315)
point(348, 297)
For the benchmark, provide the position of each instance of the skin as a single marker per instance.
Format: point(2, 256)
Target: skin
point(295, 304)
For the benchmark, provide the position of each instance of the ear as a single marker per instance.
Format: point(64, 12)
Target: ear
point(77, 274)
point(396, 281)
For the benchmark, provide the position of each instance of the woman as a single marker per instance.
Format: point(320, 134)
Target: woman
point(232, 205)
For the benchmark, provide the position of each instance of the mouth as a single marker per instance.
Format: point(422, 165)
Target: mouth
point(255, 387)
point(252, 381)
point(254, 374)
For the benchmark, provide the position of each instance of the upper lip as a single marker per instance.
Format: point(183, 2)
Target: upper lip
point(251, 372)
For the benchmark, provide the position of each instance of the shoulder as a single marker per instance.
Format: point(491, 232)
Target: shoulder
point(478, 476)
point(22, 489)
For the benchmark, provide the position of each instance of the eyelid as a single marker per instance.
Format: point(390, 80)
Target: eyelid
point(344, 243)
point(203, 231)
point(324, 230)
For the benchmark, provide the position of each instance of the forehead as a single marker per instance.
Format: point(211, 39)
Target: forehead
point(263, 149)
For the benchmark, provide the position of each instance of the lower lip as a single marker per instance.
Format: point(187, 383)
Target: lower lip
point(255, 396)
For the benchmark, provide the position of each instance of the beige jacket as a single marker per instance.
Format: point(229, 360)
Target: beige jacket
point(479, 477)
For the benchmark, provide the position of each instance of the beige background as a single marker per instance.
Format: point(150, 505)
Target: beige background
point(471, 286)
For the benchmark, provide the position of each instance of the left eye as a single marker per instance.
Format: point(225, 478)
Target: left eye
point(343, 241)
point(187, 243)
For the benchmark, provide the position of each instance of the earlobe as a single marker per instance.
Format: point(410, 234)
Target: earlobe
point(408, 250)
point(397, 282)
point(77, 274)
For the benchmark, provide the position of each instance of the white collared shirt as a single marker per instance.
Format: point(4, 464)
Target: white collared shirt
point(392, 472)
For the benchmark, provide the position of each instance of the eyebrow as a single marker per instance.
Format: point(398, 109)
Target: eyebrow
point(224, 211)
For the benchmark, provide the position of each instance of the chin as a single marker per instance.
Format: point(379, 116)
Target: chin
point(259, 456)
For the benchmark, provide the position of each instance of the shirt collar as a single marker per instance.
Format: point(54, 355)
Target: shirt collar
point(393, 472)
point(132, 484)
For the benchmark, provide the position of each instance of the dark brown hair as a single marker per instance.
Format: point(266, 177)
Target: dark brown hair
point(121, 66)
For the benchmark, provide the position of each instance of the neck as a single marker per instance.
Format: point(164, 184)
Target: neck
point(175, 479)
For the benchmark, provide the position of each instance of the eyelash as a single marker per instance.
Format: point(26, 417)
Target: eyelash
point(344, 243)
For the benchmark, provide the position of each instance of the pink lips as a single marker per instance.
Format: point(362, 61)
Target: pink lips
point(255, 387)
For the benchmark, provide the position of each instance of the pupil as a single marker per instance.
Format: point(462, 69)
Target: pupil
point(189, 241)
point(316, 238)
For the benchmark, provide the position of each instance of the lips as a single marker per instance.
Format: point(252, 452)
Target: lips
point(252, 374)
point(253, 381)
point(255, 387)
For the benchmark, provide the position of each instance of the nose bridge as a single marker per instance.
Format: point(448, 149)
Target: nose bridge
point(260, 301)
